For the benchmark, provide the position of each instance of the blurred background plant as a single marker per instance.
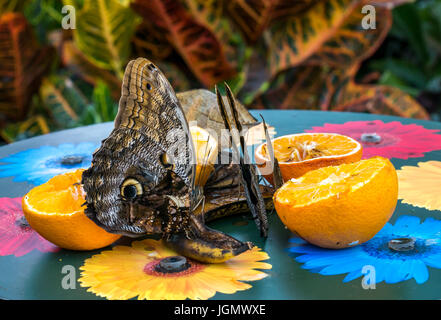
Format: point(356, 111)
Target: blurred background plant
point(284, 54)
point(409, 59)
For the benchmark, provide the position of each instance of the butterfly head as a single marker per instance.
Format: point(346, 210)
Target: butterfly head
point(136, 192)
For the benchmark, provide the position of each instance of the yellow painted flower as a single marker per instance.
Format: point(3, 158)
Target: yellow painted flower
point(152, 271)
point(420, 186)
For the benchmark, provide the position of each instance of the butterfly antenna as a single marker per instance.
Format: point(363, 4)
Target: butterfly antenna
point(248, 171)
point(277, 174)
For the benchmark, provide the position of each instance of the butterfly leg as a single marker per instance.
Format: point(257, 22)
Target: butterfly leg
point(206, 245)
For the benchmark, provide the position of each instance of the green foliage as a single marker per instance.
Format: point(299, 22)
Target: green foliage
point(411, 58)
point(102, 107)
point(273, 53)
point(69, 106)
point(45, 16)
point(103, 33)
point(12, 5)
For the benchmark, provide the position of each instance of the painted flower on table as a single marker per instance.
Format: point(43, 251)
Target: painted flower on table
point(420, 185)
point(39, 165)
point(16, 236)
point(398, 252)
point(389, 140)
point(149, 270)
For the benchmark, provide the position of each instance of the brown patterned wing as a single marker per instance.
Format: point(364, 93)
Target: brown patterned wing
point(142, 177)
point(149, 105)
point(200, 107)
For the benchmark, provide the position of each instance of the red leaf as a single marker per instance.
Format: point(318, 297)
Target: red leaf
point(22, 65)
point(254, 16)
point(198, 46)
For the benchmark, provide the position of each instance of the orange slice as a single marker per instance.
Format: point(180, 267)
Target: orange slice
point(206, 148)
point(303, 152)
point(55, 211)
point(339, 206)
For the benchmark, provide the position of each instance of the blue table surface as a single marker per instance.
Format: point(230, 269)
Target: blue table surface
point(38, 275)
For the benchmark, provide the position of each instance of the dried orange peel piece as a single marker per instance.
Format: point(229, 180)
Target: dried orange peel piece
point(54, 209)
point(300, 153)
point(339, 206)
point(206, 149)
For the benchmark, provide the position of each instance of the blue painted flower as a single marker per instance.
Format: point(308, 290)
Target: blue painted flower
point(39, 165)
point(398, 252)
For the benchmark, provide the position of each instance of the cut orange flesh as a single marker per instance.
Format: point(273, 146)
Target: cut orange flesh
point(339, 206)
point(300, 153)
point(55, 211)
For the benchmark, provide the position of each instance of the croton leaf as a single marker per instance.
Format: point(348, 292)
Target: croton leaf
point(198, 46)
point(149, 41)
point(22, 65)
point(55, 97)
point(326, 79)
point(254, 16)
point(389, 4)
point(350, 44)
point(294, 39)
point(103, 32)
point(323, 88)
point(80, 65)
point(212, 15)
point(102, 107)
point(304, 87)
point(255, 74)
point(33, 126)
point(377, 99)
point(177, 77)
point(12, 5)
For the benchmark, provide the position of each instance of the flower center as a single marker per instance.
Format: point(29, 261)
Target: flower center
point(173, 266)
point(398, 247)
point(371, 138)
point(68, 161)
point(22, 223)
point(402, 244)
point(71, 160)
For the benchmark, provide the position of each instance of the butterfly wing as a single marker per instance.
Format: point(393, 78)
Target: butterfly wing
point(144, 170)
point(148, 104)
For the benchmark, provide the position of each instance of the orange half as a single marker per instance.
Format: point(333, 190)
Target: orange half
point(54, 209)
point(339, 206)
point(303, 152)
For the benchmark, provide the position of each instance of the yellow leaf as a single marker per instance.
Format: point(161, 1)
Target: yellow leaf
point(103, 33)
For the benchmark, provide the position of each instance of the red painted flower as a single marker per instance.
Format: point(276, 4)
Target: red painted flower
point(16, 236)
point(390, 140)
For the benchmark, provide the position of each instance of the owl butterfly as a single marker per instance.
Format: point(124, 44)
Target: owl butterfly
point(142, 178)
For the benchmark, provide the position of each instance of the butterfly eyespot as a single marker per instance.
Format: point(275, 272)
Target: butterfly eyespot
point(166, 161)
point(131, 188)
point(149, 86)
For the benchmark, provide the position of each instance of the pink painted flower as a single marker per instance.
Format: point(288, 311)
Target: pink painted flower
point(389, 140)
point(16, 236)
